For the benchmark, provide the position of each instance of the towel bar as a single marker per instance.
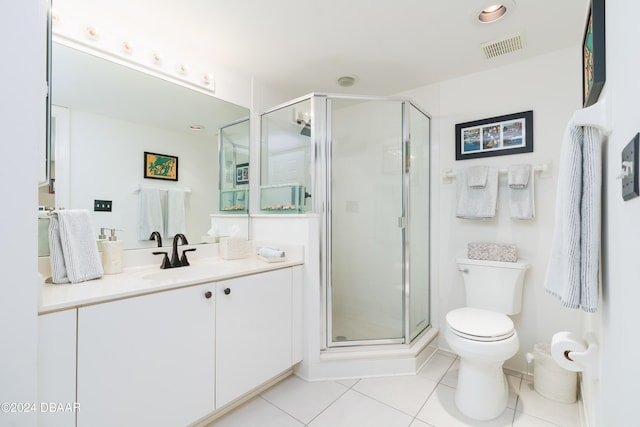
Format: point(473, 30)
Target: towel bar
point(449, 175)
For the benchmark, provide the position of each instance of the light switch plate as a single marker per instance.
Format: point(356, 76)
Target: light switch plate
point(102, 205)
point(630, 181)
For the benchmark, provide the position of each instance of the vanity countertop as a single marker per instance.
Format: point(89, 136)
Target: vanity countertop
point(147, 279)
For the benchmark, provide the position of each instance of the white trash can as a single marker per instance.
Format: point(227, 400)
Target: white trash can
point(551, 380)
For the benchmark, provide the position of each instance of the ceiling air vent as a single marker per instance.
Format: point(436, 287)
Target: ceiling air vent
point(500, 47)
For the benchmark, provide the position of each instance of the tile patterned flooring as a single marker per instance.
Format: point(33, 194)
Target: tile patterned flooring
point(423, 400)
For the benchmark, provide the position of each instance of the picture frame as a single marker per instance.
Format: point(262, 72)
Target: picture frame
point(242, 173)
point(495, 136)
point(160, 166)
point(594, 70)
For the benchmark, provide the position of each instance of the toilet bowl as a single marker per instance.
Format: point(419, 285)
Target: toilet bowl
point(484, 340)
point(484, 336)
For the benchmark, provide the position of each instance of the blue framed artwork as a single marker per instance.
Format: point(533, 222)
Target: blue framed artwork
point(495, 136)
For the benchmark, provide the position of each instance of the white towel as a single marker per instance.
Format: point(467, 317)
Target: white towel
point(477, 176)
point(176, 215)
point(477, 202)
point(518, 176)
point(520, 182)
point(71, 234)
point(149, 213)
point(572, 274)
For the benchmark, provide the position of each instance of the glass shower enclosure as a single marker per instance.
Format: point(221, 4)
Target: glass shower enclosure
point(364, 165)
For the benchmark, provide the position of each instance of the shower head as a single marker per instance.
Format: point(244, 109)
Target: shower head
point(306, 129)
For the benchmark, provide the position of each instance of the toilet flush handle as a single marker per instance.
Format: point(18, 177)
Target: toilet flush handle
point(463, 270)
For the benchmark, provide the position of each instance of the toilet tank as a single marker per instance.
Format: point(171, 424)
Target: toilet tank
point(493, 285)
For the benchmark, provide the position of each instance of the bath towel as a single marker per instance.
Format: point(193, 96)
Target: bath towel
point(176, 215)
point(520, 183)
point(477, 176)
point(149, 213)
point(572, 273)
point(71, 234)
point(477, 202)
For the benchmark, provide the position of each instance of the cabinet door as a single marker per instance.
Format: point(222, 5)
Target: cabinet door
point(57, 369)
point(147, 361)
point(253, 332)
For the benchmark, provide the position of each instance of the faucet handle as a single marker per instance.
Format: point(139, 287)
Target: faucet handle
point(165, 260)
point(184, 261)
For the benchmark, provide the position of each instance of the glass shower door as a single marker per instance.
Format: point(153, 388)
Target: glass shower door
point(365, 174)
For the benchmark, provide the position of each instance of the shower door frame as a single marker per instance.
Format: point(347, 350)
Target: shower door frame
point(322, 141)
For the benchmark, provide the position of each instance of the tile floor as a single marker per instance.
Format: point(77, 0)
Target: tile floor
point(423, 400)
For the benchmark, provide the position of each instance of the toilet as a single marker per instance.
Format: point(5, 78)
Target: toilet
point(483, 335)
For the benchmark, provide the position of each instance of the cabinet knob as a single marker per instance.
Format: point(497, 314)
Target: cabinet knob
point(227, 291)
point(208, 294)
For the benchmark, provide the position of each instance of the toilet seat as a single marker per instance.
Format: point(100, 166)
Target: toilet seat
point(480, 325)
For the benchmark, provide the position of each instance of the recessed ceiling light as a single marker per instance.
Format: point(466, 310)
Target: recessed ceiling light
point(492, 13)
point(196, 127)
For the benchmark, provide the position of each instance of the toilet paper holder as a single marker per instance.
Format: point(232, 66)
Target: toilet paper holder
point(586, 361)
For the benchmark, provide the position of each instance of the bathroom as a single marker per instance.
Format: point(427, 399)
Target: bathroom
point(554, 95)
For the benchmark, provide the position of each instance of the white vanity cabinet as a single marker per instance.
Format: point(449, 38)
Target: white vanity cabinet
point(57, 369)
point(147, 360)
point(254, 327)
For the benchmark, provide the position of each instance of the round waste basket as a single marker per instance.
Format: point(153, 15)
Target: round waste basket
point(549, 379)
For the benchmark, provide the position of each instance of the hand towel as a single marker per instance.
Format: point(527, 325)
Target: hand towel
point(518, 176)
point(572, 273)
point(176, 215)
point(77, 243)
point(521, 192)
point(149, 213)
point(56, 257)
point(477, 176)
point(477, 202)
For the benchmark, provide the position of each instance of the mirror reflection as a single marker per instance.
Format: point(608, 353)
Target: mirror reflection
point(234, 168)
point(106, 116)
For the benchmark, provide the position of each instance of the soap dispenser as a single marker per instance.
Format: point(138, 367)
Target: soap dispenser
point(101, 238)
point(113, 254)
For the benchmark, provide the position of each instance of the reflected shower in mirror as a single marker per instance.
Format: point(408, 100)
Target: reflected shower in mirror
point(234, 167)
point(113, 114)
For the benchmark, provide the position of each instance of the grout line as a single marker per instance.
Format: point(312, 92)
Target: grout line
point(281, 410)
point(332, 402)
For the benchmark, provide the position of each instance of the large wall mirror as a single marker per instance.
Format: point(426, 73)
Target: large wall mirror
point(105, 116)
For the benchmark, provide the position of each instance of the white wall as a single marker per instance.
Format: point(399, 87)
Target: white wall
point(22, 38)
point(550, 86)
point(613, 397)
point(107, 163)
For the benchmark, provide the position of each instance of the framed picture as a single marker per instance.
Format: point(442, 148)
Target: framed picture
point(160, 166)
point(594, 70)
point(242, 173)
point(496, 136)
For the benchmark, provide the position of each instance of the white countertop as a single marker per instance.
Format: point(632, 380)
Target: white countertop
point(145, 279)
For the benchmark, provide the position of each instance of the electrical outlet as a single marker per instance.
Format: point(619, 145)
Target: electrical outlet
point(630, 169)
point(102, 205)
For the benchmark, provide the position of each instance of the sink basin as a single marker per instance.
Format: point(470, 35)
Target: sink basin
point(190, 272)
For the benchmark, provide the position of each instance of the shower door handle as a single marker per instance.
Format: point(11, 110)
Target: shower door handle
point(402, 222)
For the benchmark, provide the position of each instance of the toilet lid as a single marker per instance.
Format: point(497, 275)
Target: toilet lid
point(480, 325)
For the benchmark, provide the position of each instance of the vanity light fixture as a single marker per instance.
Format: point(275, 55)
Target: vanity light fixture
point(492, 13)
point(183, 69)
point(55, 18)
point(93, 33)
point(127, 47)
point(207, 78)
point(157, 58)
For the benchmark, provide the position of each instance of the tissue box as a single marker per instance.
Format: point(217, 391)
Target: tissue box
point(492, 251)
point(233, 248)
